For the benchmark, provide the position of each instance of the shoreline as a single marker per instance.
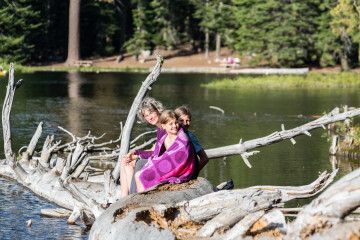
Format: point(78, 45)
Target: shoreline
point(246, 70)
point(174, 62)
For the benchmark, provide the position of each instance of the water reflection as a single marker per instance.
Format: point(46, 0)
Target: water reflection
point(75, 102)
point(345, 164)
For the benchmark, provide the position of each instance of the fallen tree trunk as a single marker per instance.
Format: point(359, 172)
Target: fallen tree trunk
point(345, 230)
point(167, 217)
point(242, 148)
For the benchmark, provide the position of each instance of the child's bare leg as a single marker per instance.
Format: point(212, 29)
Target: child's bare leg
point(124, 184)
point(129, 168)
point(139, 185)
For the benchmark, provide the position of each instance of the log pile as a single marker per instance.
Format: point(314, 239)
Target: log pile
point(192, 210)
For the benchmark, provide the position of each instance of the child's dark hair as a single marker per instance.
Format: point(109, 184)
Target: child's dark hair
point(182, 110)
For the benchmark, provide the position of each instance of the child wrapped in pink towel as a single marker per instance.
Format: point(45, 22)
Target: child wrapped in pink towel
point(173, 158)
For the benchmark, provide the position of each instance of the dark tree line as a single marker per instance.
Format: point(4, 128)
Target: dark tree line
point(277, 33)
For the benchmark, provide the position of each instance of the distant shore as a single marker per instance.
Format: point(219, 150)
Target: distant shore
point(176, 61)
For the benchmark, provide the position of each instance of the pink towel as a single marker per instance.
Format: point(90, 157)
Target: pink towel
point(175, 165)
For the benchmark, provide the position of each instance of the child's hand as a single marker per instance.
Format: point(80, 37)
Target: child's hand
point(129, 154)
point(127, 159)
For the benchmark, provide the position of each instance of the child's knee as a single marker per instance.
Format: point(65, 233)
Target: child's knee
point(137, 175)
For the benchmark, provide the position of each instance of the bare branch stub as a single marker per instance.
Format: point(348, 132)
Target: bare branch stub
point(217, 108)
point(34, 140)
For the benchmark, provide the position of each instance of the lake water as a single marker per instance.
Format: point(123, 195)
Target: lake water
point(98, 102)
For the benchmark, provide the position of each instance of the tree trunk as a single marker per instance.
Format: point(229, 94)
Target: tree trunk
point(74, 33)
point(206, 43)
point(218, 46)
point(206, 36)
point(344, 61)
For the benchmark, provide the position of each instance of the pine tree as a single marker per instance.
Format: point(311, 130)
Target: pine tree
point(143, 16)
point(99, 28)
point(277, 32)
point(170, 22)
point(160, 23)
point(346, 25)
point(216, 19)
point(327, 46)
point(21, 30)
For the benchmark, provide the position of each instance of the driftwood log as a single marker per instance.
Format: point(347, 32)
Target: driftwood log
point(195, 209)
point(177, 215)
point(329, 210)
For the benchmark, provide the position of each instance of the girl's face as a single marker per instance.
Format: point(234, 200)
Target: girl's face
point(184, 121)
point(151, 117)
point(171, 127)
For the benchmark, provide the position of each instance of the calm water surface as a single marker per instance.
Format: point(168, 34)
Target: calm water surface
point(82, 102)
point(18, 205)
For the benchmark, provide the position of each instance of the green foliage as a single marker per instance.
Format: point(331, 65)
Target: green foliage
point(346, 19)
point(166, 35)
point(143, 21)
point(36, 30)
point(345, 24)
point(99, 28)
point(276, 33)
point(21, 30)
point(318, 80)
point(161, 24)
point(216, 17)
point(327, 45)
point(279, 33)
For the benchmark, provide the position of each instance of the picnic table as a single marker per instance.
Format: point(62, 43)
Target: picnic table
point(230, 65)
point(83, 63)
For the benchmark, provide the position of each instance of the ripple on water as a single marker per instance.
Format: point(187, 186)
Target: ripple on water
point(18, 205)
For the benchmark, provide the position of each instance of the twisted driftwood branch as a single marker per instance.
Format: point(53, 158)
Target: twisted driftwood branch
point(87, 203)
point(6, 125)
point(126, 133)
